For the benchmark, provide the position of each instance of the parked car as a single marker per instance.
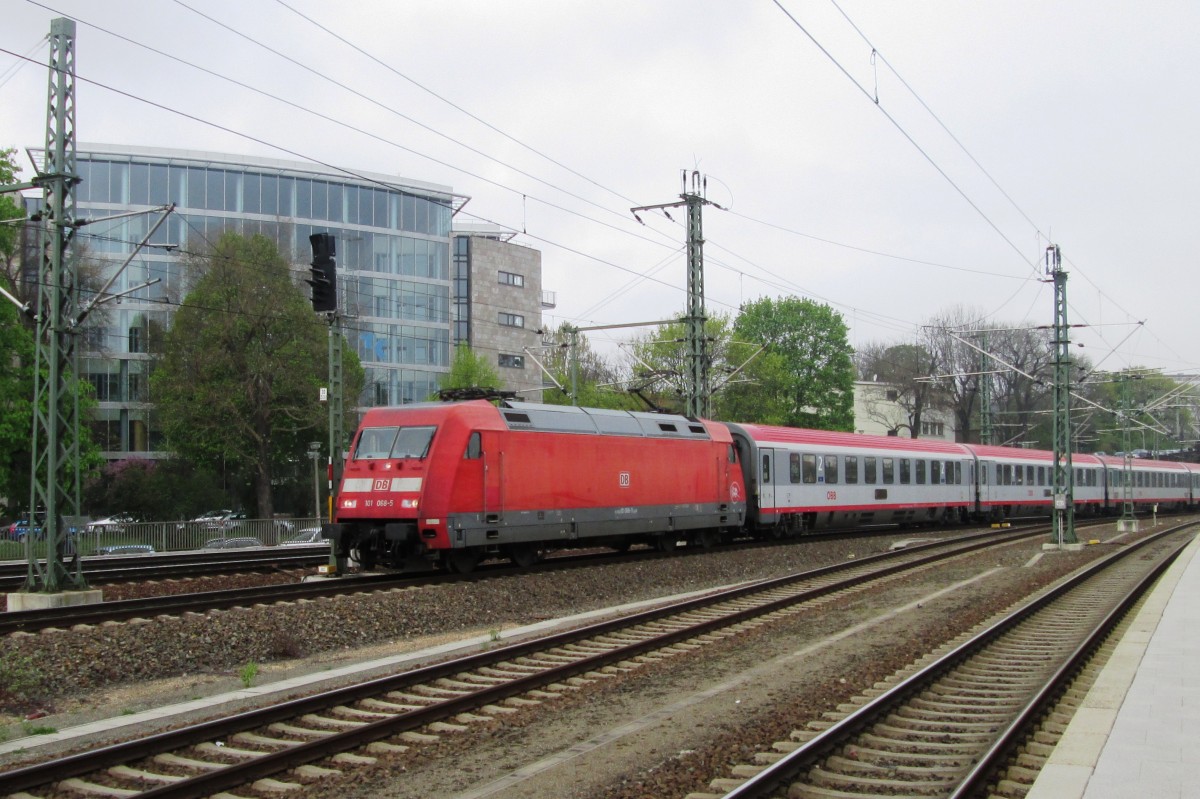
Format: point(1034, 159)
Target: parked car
point(112, 524)
point(309, 535)
point(203, 520)
point(232, 543)
point(125, 549)
point(226, 520)
point(19, 529)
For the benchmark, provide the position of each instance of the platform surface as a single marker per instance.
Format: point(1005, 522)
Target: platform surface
point(1137, 733)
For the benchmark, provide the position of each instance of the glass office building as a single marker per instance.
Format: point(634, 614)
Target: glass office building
point(393, 255)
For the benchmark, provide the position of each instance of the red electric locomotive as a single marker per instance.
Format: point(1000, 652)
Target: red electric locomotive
point(452, 483)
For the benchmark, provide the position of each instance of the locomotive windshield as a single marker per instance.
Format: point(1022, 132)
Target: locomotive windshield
point(378, 443)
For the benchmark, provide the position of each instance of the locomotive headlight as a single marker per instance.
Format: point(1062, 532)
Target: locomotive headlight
point(408, 503)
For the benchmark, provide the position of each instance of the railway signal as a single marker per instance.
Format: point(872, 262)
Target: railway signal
point(324, 272)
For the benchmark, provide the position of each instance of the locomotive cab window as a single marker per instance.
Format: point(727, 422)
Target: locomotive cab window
point(379, 443)
point(413, 442)
point(375, 443)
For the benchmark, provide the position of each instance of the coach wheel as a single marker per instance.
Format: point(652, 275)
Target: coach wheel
point(524, 555)
point(462, 561)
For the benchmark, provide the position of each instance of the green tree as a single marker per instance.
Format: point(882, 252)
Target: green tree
point(10, 208)
point(1160, 412)
point(662, 362)
point(238, 380)
point(597, 381)
point(469, 370)
point(153, 490)
point(16, 404)
point(804, 378)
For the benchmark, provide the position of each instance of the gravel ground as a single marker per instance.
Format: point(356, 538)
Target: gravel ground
point(767, 692)
point(88, 672)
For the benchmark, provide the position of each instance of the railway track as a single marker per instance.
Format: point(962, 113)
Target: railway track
point(952, 727)
point(115, 568)
point(310, 738)
point(30, 621)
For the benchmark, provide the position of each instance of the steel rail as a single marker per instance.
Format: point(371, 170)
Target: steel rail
point(270, 763)
point(809, 754)
point(116, 568)
point(175, 604)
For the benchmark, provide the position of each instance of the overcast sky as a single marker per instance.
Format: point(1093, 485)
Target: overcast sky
point(835, 181)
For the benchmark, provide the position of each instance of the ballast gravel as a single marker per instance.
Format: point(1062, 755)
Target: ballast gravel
point(85, 658)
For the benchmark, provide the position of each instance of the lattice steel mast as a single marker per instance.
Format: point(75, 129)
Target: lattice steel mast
point(699, 360)
point(55, 479)
point(1064, 473)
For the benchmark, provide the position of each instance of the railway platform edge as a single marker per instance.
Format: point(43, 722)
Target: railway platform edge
point(1137, 732)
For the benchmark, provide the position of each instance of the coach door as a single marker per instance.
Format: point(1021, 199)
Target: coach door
point(766, 480)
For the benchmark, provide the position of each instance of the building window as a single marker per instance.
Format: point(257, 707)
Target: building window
point(512, 361)
point(933, 429)
point(511, 319)
point(511, 279)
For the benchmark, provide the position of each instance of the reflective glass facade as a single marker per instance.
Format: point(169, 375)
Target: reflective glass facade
point(393, 255)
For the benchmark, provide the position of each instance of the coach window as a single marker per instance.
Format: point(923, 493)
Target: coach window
point(766, 468)
point(794, 467)
point(831, 469)
point(851, 469)
point(1018, 476)
point(889, 471)
point(1029, 476)
point(957, 473)
point(935, 473)
point(1041, 475)
point(905, 471)
point(920, 472)
point(474, 448)
point(870, 475)
point(810, 468)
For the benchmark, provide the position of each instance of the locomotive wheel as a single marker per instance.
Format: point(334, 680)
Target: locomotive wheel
point(366, 558)
point(665, 542)
point(524, 555)
point(462, 561)
point(708, 538)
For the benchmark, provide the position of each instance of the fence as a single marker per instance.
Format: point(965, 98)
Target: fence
point(216, 534)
